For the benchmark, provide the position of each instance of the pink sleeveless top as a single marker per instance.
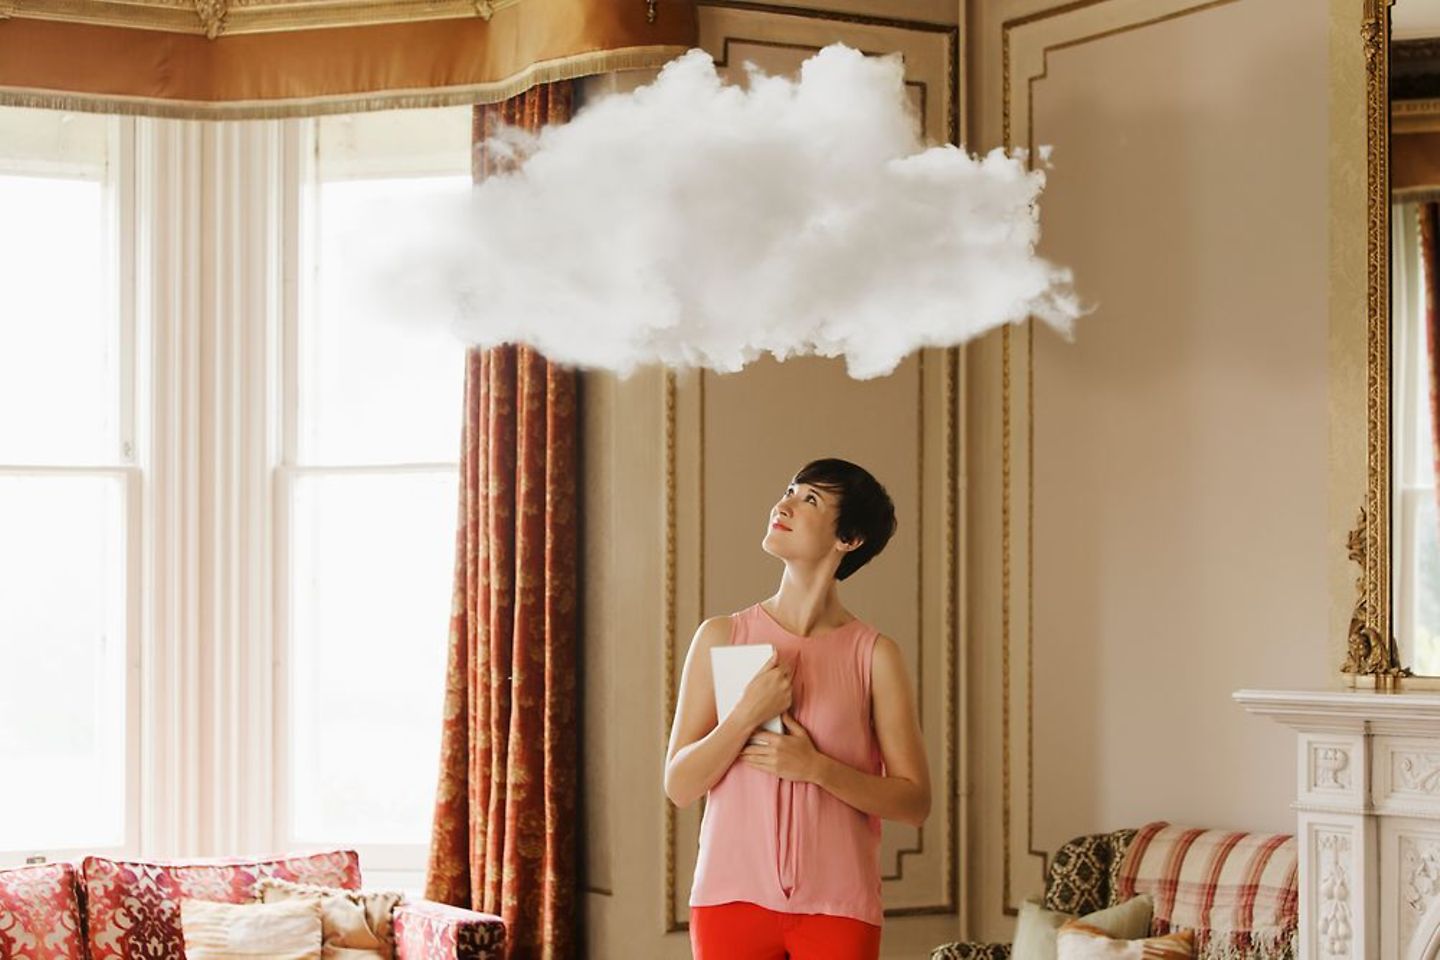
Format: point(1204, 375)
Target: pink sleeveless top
point(788, 846)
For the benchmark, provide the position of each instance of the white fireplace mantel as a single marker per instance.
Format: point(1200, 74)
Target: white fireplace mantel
point(1367, 808)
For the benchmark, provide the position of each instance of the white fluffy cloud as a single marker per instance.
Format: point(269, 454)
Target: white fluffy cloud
point(698, 223)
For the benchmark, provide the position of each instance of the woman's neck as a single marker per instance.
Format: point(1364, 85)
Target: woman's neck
point(805, 604)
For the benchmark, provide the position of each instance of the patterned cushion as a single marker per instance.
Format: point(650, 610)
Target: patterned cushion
point(1120, 840)
point(355, 924)
point(1080, 941)
point(431, 931)
point(1080, 877)
point(133, 907)
point(39, 913)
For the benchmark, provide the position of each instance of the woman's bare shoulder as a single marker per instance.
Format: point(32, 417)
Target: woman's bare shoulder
point(713, 632)
point(886, 657)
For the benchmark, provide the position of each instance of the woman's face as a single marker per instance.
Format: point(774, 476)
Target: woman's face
point(802, 524)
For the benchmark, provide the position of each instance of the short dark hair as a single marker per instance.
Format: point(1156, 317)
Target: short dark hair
point(866, 510)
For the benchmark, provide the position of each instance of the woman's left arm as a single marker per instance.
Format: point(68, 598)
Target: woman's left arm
point(903, 793)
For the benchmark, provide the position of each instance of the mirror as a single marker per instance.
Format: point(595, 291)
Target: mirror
point(1414, 332)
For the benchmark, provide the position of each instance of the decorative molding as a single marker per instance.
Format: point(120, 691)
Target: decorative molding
point(1419, 880)
point(670, 640)
point(214, 18)
point(1415, 772)
point(1335, 928)
point(1415, 116)
point(953, 53)
point(1347, 711)
point(1329, 768)
point(1009, 143)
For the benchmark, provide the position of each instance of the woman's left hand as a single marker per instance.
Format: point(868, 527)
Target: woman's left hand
point(791, 756)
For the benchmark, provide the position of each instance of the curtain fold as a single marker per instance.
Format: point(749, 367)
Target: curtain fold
point(1429, 233)
point(1414, 165)
point(504, 837)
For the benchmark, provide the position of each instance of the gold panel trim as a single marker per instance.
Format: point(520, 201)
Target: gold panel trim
point(1006, 895)
point(950, 627)
point(669, 641)
point(954, 118)
point(951, 32)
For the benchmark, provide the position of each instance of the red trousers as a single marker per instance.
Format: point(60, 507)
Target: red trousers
point(744, 931)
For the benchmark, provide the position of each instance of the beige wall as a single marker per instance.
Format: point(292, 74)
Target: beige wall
point(1176, 541)
point(1173, 543)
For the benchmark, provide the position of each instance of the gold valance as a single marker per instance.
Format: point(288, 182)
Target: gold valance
point(248, 59)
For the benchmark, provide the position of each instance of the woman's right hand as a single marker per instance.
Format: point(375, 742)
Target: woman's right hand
point(767, 694)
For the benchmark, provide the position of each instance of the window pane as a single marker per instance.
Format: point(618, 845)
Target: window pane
point(373, 557)
point(62, 662)
point(59, 362)
point(373, 389)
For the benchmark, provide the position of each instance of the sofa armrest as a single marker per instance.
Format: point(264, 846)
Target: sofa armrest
point(971, 951)
point(433, 931)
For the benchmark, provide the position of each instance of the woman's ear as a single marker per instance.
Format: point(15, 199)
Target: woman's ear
point(848, 545)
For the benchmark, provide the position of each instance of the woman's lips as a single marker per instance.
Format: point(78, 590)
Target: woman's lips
point(778, 526)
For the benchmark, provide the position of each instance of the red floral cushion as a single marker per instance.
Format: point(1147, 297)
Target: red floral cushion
point(39, 914)
point(134, 906)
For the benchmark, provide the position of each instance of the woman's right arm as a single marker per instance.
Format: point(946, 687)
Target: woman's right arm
point(702, 748)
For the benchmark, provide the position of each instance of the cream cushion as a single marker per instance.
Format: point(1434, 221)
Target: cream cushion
point(221, 931)
point(355, 925)
point(1080, 941)
point(1037, 927)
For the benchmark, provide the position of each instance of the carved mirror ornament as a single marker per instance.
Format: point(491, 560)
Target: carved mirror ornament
point(1371, 650)
point(1369, 653)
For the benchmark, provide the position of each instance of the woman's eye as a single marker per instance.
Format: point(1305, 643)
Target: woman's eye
point(811, 498)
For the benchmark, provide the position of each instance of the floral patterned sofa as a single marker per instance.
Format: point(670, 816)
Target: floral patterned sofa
point(1238, 891)
point(130, 909)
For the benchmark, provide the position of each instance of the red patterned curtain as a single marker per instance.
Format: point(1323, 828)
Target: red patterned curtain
point(504, 838)
point(1429, 227)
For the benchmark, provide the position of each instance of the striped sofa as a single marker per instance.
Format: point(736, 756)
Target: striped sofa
point(1237, 891)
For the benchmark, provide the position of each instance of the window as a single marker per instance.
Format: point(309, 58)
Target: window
point(226, 479)
point(69, 492)
point(369, 494)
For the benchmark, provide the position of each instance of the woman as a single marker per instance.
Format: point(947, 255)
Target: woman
point(790, 841)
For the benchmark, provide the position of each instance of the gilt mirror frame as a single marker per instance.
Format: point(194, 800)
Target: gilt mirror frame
point(1372, 655)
